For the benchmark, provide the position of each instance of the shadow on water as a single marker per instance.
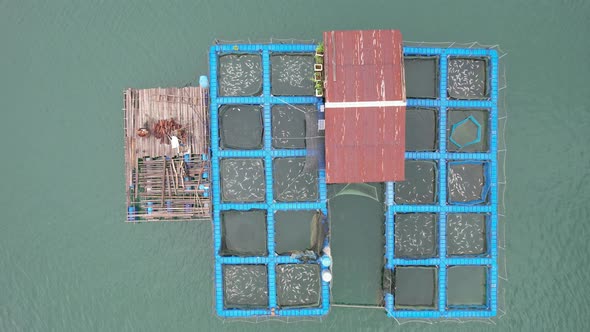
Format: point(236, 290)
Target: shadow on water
point(358, 243)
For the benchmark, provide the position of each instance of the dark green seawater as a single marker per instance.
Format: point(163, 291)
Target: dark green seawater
point(69, 263)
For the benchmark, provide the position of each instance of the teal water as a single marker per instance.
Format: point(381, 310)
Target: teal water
point(69, 263)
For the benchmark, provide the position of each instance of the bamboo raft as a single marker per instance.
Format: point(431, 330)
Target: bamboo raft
point(165, 182)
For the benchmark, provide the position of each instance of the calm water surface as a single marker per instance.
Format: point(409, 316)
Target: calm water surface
point(69, 263)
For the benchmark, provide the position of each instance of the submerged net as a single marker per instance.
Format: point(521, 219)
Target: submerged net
point(240, 75)
point(421, 129)
point(416, 287)
point(467, 287)
point(314, 142)
point(291, 74)
point(298, 285)
point(292, 183)
point(243, 233)
point(241, 126)
point(357, 215)
point(419, 186)
point(416, 235)
point(242, 180)
point(245, 286)
point(421, 76)
point(359, 189)
point(289, 125)
point(298, 231)
point(466, 234)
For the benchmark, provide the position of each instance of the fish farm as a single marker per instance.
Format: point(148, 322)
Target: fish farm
point(294, 150)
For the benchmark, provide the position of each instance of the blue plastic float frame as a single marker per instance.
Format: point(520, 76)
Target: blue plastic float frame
point(443, 208)
point(267, 153)
point(477, 138)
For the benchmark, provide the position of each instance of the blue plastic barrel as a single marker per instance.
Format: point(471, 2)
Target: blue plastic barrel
point(187, 207)
point(326, 261)
point(187, 187)
point(203, 81)
point(131, 213)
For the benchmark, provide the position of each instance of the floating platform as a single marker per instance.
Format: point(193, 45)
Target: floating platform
point(261, 178)
point(271, 233)
point(441, 222)
point(167, 167)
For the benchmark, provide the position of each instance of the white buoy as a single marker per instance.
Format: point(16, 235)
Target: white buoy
point(326, 275)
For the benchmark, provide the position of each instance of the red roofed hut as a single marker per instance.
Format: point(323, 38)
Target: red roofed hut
point(365, 106)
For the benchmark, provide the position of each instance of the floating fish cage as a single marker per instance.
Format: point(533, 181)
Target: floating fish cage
point(249, 151)
point(271, 231)
point(269, 193)
point(441, 222)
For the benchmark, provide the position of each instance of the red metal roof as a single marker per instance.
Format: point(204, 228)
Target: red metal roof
point(365, 106)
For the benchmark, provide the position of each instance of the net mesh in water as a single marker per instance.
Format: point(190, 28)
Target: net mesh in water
point(314, 142)
point(245, 286)
point(416, 235)
point(421, 76)
point(241, 126)
point(243, 233)
point(420, 184)
point(421, 129)
point(240, 75)
point(415, 287)
point(467, 78)
point(466, 234)
point(297, 231)
point(292, 183)
point(289, 125)
point(466, 286)
point(359, 189)
point(357, 214)
point(467, 130)
point(298, 285)
point(291, 74)
point(242, 180)
point(466, 183)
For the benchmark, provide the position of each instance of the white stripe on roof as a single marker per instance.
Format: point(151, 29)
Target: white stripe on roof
point(356, 104)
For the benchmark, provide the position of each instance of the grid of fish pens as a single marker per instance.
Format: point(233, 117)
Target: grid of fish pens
point(269, 201)
point(441, 222)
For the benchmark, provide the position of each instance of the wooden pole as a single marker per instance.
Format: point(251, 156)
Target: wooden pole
point(175, 177)
point(171, 183)
point(163, 181)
